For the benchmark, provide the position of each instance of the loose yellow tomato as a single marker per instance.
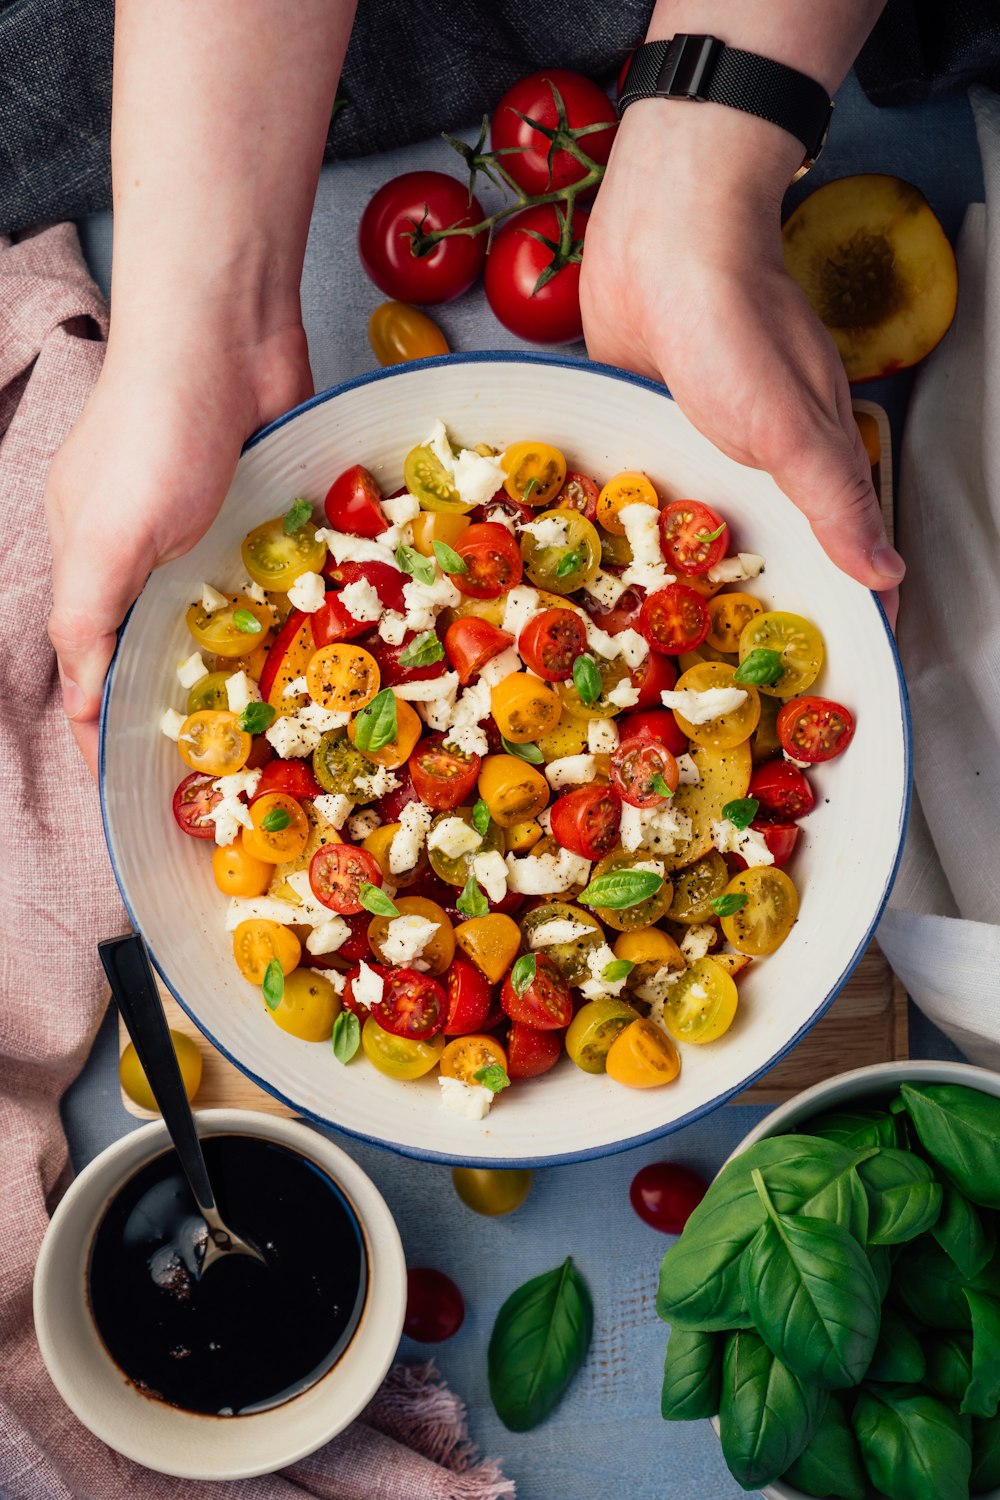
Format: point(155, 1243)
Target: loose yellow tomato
point(136, 1084)
point(523, 836)
point(238, 873)
point(643, 1057)
point(308, 1007)
point(230, 632)
point(569, 564)
point(630, 487)
point(409, 727)
point(569, 737)
point(398, 333)
point(257, 943)
point(798, 641)
point(342, 678)
point(644, 913)
point(437, 526)
point(513, 791)
point(490, 942)
point(274, 559)
point(212, 741)
point(728, 729)
point(763, 924)
point(535, 472)
point(593, 1030)
point(430, 482)
point(492, 1191)
point(465, 1056)
point(701, 1003)
point(729, 614)
point(524, 707)
point(280, 829)
point(399, 1056)
point(378, 845)
point(440, 949)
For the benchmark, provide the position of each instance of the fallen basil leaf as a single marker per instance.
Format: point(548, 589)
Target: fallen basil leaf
point(492, 1077)
point(620, 889)
point(912, 1446)
point(692, 1376)
point(727, 906)
point(296, 516)
point(830, 1463)
point(472, 902)
point(275, 820)
point(346, 1036)
point(376, 901)
point(528, 752)
point(761, 668)
point(741, 812)
point(257, 717)
point(619, 968)
point(274, 984)
point(539, 1341)
point(375, 725)
point(449, 559)
point(766, 1414)
point(247, 622)
point(481, 817)
point(523, 972)
point(409, 560)
point(587, 679)
point(422, 651)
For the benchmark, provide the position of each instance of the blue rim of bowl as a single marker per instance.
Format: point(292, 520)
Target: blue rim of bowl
point(592, 1153)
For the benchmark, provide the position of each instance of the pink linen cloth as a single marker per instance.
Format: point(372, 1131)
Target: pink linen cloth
point(60, 900)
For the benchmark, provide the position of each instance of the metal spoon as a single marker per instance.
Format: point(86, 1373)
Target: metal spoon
point(133, 986)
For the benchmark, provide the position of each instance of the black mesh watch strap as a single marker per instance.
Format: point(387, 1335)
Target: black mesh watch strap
point(702, 67)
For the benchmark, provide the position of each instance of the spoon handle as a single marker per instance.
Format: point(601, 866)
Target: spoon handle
point(133, 986)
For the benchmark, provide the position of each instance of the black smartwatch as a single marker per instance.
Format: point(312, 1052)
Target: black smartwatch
point(703, 68)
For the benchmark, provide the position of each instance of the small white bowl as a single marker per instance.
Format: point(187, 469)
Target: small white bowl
point(188, 1444)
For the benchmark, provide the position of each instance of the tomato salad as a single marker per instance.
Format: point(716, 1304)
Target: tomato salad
point(505, 765)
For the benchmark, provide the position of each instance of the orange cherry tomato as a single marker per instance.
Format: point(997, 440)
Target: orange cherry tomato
point(409, 727)
point(437, 526)
point(280, 829)
point(257, 943)
point(524, 708)
point(343, 678)
point(728, 614)
point(643, 1057)
point(436, 956)
point(212, 741)
point(238, 873)
point(490, 942)
point(398, 333)
point(631, 487)
point(513, 791)
point(468, 1055)
point(535, 473)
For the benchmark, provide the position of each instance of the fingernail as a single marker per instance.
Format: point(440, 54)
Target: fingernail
point(887, 561)
point(73, 698)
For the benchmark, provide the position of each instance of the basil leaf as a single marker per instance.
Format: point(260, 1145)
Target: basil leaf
point(692, 1376)
point(523, 972)
point(529, 752)
point(741, 812)
point(449, 558)
point(904, 1200)
point(947, 1367)
point(274, 984)
point(898, 1357)
point(247, 622)
point(481, 817)
point(422, 651)
point(296, 516)
point(830, 1463)
point(375, 725)
point(959, 1129)
point(660, 787)
point(275, 820)
point(376, 901)
point(409, 560)
point(766, 1414)
point(927, 1284)
point(985, 1456)
point(257, 717)
point(983, 1395)
point(472, 902)
point(726, 906)
point(711, 536)
point(619, 968)
point(346, 1036)
point(567, 564)
point(620, 889)
point(492, 1077)
point(539, 1341)
point(587, 679)
point(532, 484)
point(857, 1128)
point(912, 1446)
point(760, 668)
point(964, 1234)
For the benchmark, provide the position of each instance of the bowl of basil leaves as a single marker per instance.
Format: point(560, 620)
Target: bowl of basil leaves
point(834, 1300)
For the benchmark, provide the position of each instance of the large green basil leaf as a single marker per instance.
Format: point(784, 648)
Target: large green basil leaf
point(898, 1357)
point(692, 1373)
point(985, 1456)
point(967, 1236)
point(880, 1260)
point(928, 1284)
point(857, 1129)
point(830, 1463)
point(959, 1129)
point(903, 1198)
point(949, 1366)
point(983, 1395)
point(842, 1201)
point(539, 1341)
point(766, 1414)
point(911, 1444)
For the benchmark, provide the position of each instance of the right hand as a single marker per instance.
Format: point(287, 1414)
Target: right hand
point(139, 481)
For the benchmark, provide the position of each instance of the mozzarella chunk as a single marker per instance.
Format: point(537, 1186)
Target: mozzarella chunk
point(428, 691)
point(408, 840)
point(393, 627)
point(688, 773)
point(549, 531)
point(642, 528)
point(359, 549)
point(546, 874)
point(293, 735)
point(657, 828)
point(425, 601)
point(468, 739)
point(476, 478)
point(362, 824)
point(470, 709)
point(558, 930)
point(454, 837)
point(296, 688)
point(211, 600)
point(501, 666)
point(697, 940)
point(597, 987)
point(599, 641)
point(239, 781)
point(703, 707)
point(260, 909)
point(314, 716)
point(606, 589)
point(191, 670)
point(171, 724)
point(361, 601)
point(441, 712)
point(253, 591)
point(468, 1099)
point(229, 816)
point(241, 691)
point(570, 770)
point(379, 784)
point(632, 647)
point(401, 509)
point(368, 986)
point(801, 765)
point(308, 592)
point(491, 872)
point(405, 939)
point(327, 937)
point(335, 808)
point(602, 736)
point(522, 603)
point(735, 569)
point(624, 695)
point(729, 839)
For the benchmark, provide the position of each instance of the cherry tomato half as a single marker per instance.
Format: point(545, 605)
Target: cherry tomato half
point(586, 821)
point(624, 615)
point(430, 200)
point(654, 675)
point(387, 581)
point(531, 1052)
point(192, 802)
point(526, 150)
point(492, 559)
point(435, 1310)
point(293, 777)
point(688, 536)
point(674, 619)
point(660, 724)
point(391, 674)
point(546, 1003)
point(469, 1000)
point(579, 493)
point(470, 643)
point(413, 1005)
point(332, 622)
point(780, 839)
point(551, 642)
point(783, 792)
point(814, 729)
point(337, 873)
point(665, 1195)
point(442, 777)
point(548, 314)
point(354, 503)
point(351, 1002)
point(287, 658)
point(636, 762)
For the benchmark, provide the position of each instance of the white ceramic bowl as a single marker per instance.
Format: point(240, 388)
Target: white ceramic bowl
point(603, 421)
point(189, 1444)
point(852, 1088)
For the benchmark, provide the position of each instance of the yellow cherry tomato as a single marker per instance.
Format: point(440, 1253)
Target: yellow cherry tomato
point(696, 887)
point(136, 1084)
point(409, 727)
point(648, 945)
point(593, 1030)
point(212, 741)
point(399, 1056)
point(431, 483)
point(437, 526)
point(490, 942)
point(701, 1003)
point(729, 614)
point(630, 487)
point(572, 958)
point(524, 707)
point(308, 1007)
point(523, 836)
point(378, 845)
point(772, 906)
point(342, 678)
point(398, 333)
point(535, 473)
point(280, 829)
point(465, 1056)
point(513, 791)
point(229, 632)
point(456, 868)
point(257, 943)
point(437, 954)
point(209, 692)
point(644, 913)
point(728, 729)
point(251, 662)
point(274, 559)
point(702, 584)
point(611, 674)
point(569, 565)
point(568, 738)
point(492, 1191)
point(643, 1057)
point(799, 643)
point(238, 873)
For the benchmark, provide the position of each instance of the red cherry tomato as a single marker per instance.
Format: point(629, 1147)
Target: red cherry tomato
point(277, 653)
point(586, 821)
point(579, 493)
point(391, 805)
point(654, 675)
point(337, 873)
point(814, 729)
point(504, 505)
point(531, 1052)
point(354, 503)
point(430, 200)
point(332, 622)
point(469, 999)
point(665, 1195)
point(636, 762)
point(622, 616)
point(355, 947)
point(391, 674)
point(551, 642)
point(470, 642)
point(442, 778)
point(412, 1005)
point(674, 619)
point(528, 160)
point(293, 777)
point(780, 839)
point(193, 800)
point(550, 315)
point(261, 754)
point(660, 724)
point(388, 582)
point(546, 1003)
point(492, 559)
point(783, 792)
point(351, 1002)
point(687, 536)
point(435, 1310)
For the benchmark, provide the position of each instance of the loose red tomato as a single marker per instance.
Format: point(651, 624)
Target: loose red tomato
point(624, 615)
point(435, 1310)
point(783, 792)
point(674, 619)
point(546, 1003)
point(276, 655)
point(387, 581)
point(531, 1052)
point(354, 503)
point(337, 873)
point(412, 1005)
point(470, 642)
point(193, 800)
point(687, 535)
point(550, 314)
point(442, 778)
point(579, 493)
point(391, 674)
point(293, 777)
point(586, 821)
point(426, 200)
point(654, 675)
point(469, 999)
point(814, 729)
point(526, 150)
point(551, 642)
point(635, 764)
point(351, 1002)
point(660, 724)
point(665, 1195)
point(332, 622)
point(780, 839)
point(492, 560)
